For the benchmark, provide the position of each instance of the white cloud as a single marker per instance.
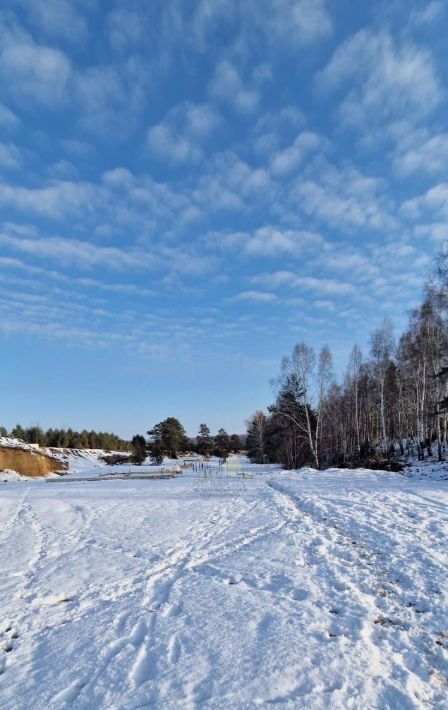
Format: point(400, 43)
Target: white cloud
point(287, 161)
point(300, 22)
point(121, 288)
point(184, 260)
point(144, 204)
point(57, 18)
point(55, 200)
point(75, 252)
point(275, 128)
point(63, 169)
point(290, 23)
point(118, 206)
point(434, 201)
point(428, 14)
point(325, 305)
point(276, 279)
point(386, 80)
point(11, 263)
point(169, 259)
point(344, 197)
point(417, 152)
point(110, 97)
point(47, 276)
point(180, 136)
point(177, 149)
point(8, 118)
point(438, 231)
point(267, 241)
point(78, 148)
point(255, 297)
point(9, 156)
point(364, 275)
point(329, 286)
point(270, 241)
point(227, 86)
point(30, 71)
point(229, 183)
point(289, 279)
point(125, 28)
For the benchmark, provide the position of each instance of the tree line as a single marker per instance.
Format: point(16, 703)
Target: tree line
point(392, 400)
point(166, 438)
point(68, 438)
point(169, 438)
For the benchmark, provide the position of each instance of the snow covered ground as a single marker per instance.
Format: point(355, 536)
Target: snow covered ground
point(308, 590)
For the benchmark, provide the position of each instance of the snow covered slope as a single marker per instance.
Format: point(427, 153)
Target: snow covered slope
point(77, 462)
point(309, 590)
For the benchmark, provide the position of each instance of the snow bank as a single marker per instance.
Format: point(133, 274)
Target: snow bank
point(7, 475)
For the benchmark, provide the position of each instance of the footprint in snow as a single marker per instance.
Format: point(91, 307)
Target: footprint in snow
point(442, 639)
point(174, 650)
point(11, 635)
point(120, 621)
point(231, 581)
point(69, 694)
point(299, 595)
point(388, 623)
point(172, 610)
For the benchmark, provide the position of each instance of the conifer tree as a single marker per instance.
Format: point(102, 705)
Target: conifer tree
point(204, 441)
point(222, 444)
point(235, 443)
point(139, 449)
point(256, 437)
point(169, 436)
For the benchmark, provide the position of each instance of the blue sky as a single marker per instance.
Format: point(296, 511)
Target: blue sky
point(187, 189)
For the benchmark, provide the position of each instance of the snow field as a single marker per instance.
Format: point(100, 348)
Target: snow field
point(309, 590)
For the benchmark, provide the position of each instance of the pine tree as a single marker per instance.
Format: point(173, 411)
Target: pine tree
point(35, 435)
point(139, 449)
point(222, 444)
point(235, 443)
point(18, 432)
point(256, 437)
point(204, 442)
point(169, 436)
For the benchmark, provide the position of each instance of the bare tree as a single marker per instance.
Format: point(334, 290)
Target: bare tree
point(307, 391)
point(386, 405)
point(381, 350)
point(353, 382)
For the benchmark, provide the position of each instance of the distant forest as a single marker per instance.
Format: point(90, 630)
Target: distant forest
point(391, 403)
point(167, 438)
point(68, 438)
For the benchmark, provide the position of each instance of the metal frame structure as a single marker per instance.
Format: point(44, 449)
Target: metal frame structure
point(222, 480)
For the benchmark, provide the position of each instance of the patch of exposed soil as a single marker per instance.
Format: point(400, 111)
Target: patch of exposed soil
point(28, 463)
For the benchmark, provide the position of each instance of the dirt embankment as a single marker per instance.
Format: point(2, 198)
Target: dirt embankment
point(28, 463)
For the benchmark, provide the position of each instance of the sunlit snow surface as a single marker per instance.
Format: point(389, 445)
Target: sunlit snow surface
point(308, 590)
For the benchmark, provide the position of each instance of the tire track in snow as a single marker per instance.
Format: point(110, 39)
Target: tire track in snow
point(23, 523)
point(386, 609)
point(32, 627)
point(153, 589)
point(161, 586)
